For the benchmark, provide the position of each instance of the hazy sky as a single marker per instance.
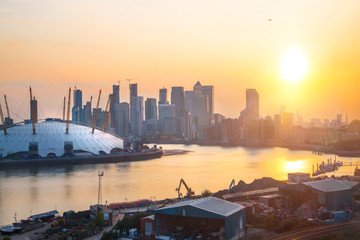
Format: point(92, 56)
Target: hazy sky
point(229, 44)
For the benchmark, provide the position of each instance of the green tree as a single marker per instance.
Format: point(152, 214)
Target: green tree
point(99, 219)
point(206, 193)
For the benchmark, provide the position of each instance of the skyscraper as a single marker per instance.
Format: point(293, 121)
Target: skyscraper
point(121, 116)
point(188, 100)
point(163, 96)
point(133, 96)
point(116, 94)
point(167, 120)
point(178, 100)
point(77, 98)
point(200, 109)
point(137, 116)
point(252, 104)
point(209, 91)
point(150, 117)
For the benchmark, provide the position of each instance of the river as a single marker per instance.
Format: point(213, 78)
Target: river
point(31, 191)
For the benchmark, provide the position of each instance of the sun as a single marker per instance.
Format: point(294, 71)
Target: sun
point(294, 65)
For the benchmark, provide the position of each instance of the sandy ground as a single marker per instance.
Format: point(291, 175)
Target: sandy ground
point(32, 235)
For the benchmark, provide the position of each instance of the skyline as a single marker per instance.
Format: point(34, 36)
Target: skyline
point(232, 46)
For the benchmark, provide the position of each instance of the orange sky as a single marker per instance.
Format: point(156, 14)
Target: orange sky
point(229, 44)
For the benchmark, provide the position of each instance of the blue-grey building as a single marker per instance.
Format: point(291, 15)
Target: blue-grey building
point(204, 215)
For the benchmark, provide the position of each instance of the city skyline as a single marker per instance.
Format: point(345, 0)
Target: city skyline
point(231, 46)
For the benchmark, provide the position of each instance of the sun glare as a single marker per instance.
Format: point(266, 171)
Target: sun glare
point(294, 65)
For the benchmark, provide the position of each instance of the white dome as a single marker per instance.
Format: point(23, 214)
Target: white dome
point(50, 136)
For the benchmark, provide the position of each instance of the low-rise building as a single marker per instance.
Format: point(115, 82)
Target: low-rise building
point(218, 217)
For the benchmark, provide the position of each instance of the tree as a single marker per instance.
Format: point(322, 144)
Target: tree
point(206, 193)
point(99, 219)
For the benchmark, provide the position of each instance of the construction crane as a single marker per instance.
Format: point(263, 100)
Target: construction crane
point(8, 111)
point(189, 192)
point(100, 175)
point(232, 185)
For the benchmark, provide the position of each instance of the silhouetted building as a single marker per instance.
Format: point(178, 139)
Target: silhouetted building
point(163, 96)
point(133, 96)
point(121, 122)
point(188, 100)
point(137, 116)
point(77, 98)
point(209, 91)
point(150, 116)
point(178, 100)
point(200, 109)
point(167, 121)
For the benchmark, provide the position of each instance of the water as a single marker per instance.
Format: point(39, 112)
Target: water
point(32, 191)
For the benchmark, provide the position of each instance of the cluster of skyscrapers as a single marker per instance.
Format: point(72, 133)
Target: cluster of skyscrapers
point(184, 117)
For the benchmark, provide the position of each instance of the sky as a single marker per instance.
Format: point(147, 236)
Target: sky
point(232, 45)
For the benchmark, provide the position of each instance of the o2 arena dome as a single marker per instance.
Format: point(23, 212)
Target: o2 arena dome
point(51, 140)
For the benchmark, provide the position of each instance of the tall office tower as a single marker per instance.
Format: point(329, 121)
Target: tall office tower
point(188, 99)
point(137, 116)
point(34, 114)
point(163, 96)
point(200, 109)
point(252, 104)
point(86, 113)
point(338, 120)
point(115, 98)
point(121, 123)
point(133, 96)
point(77, 98)
point(167, 120)
point(150, 117)
point(209, 91)
point(116, 94)
point(178, 100)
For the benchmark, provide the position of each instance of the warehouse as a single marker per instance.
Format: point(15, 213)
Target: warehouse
point(330, 193)
point(202, 217)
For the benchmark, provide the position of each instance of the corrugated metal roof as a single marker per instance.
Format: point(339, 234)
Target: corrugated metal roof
point(331, 185)
point(210, 204)
point(51, 136)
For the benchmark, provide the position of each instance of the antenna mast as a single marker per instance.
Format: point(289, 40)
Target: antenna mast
point(68, 113)
point(8, 111)
point(100, 175)
point(96, 112)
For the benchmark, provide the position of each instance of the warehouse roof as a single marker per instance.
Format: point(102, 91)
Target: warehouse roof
point(331, 185)
point(210, 204)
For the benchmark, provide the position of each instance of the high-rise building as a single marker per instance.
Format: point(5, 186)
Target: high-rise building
point(34, 114)
point(209, 91)
point(163, 96)
point(137, 116)
point(86, 113)
point(188, 100)
point(150, 116)
point(77, 98)
point(121, 116)
point(133, 96)
point(116, 94)
point(252, 104)
point(167, 120)
point(178, 100)
point(200, 109)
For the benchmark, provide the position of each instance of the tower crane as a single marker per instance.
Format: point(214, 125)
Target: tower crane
point(232, 185)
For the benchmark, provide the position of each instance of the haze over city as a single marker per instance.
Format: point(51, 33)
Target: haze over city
point(231, 45)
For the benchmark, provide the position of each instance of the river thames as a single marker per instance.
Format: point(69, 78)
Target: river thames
point(31, 191)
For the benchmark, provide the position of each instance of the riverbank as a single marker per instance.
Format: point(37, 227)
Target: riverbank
point(100, 159)
point(292, 147)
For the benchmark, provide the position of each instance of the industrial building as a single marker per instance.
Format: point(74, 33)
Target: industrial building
point(201, 217)
point(330, 193)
